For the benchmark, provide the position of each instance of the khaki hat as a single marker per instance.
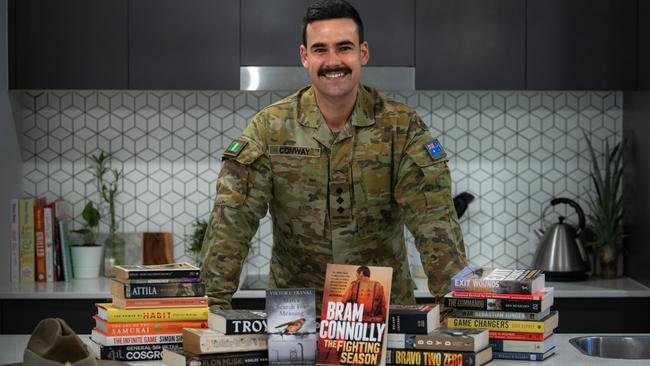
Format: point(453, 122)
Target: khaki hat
point(54, 343)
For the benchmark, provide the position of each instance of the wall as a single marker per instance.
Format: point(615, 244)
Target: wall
point(513, 150)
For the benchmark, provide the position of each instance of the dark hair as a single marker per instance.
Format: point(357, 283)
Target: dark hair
point(365, 270)
point(330, 9)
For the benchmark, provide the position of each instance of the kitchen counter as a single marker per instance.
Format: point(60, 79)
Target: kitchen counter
point(12, 346)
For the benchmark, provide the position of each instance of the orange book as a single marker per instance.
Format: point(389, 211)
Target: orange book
point(160, 302)
point(136, 328)
point(39, 231)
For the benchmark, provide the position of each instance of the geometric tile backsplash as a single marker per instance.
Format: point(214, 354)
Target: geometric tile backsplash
point(513, 150)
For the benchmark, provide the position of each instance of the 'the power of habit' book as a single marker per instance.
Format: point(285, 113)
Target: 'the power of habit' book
point(354, 315)
point(291, 317)
point(497, 280)
point(237, 321)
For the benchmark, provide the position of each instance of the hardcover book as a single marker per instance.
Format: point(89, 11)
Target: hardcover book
point(106, 340)
point(291, 319)
point(421, 358)
point(153, 290)
point(178, 358)
point(518, 336)
point(442, 339)
point(544, 326)
point(201, 341)
point(354, 315)
point(124, 273)
point(160, 302)
point(498, 280)
point(482, 303)
point(504, 345)
point(132, 352)
point(140, 328)
point(508, 315)
point(413, 319)
point(237, 321)
point(108, 312)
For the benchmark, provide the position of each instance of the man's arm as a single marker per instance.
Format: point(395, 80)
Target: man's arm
point(243, 193)
point(423, 191)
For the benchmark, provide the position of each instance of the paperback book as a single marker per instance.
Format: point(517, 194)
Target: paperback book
point(209, 341)
point(498, 280)
point(291, 319)
point(421, 358)
point(413, 319)
point(237, 321)
point(544, 326)
point(354, 315)
point(533, 305)
point(160, 302)
point(125, 273)
point(524, 356)
point(509, 315)
point(108, 312)
point(503, 345)
point(106, 340)
point(442, 339)
point(152, 290)
point(184, 358)
point(132, 352)
point(146, 328)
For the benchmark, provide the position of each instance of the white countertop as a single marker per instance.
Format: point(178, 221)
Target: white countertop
point(12, 346)
point(99, 288)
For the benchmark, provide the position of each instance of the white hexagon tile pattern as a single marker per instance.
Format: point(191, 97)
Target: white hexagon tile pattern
point(513, 150)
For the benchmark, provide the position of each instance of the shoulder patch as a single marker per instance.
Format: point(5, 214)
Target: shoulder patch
point(435, 149)
point(235, 148)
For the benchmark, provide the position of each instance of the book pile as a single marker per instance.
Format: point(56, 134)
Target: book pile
point(514, 305)
point(233, 337)
point(414, 338)
point(152, 305)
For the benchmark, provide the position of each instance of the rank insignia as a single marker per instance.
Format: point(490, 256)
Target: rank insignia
point(434, 148)
point(235, 148)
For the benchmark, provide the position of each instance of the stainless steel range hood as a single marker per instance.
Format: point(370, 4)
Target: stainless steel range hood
point(291, 78)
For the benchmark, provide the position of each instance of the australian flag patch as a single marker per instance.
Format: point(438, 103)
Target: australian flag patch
point(435, 149)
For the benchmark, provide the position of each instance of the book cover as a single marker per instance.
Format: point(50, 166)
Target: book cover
point(524, 356)
point(442, 339)
point(480, 303)
point(153, 290)
point(518, 336)
point(108, 312)
point(161, 302)
point(153, 271)
point(504, 345)
point(27, 248)
point(233, 321)
point(509, 315)
point(14, 241)
point(498, 280)
point(177, 358)
point(48, 233)
point(413, 319)
point(106, 340)
point(132, 352)
point(209, 341)
point(140, 328)
point(39, 240)
point(291, 320)
point(354, 315)
point(418, 357)
point(544, 326)
point(66, 259)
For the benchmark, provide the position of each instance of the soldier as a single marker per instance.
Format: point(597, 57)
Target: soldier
point(368, 292)
point(341, 168)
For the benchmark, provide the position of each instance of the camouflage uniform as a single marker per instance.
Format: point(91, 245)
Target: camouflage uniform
point(333, 198)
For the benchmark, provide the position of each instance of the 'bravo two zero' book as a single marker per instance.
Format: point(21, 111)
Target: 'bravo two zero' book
point(354, 315)
point(497, 280)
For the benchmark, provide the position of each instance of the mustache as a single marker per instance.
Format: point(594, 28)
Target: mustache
point(326, 70)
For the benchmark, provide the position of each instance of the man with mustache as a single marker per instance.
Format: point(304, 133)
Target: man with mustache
point(342, 168)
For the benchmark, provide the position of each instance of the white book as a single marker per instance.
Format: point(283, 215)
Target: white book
point(105, 340)
point(15, 252)
point(49, 243)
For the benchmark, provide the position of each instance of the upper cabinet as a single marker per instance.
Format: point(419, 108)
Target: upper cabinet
point(271, 31)
point(581, 44)
point(183, 44)
point(71, 44)
point(470, 44)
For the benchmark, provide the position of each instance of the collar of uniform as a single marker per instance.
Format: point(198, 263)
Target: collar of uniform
point(362, 115)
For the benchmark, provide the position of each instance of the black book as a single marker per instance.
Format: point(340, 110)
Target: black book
point(413, 319)
point(500, 304)
point(184, 358)
point(127, 272)
point(156, 290)
point(132, 352)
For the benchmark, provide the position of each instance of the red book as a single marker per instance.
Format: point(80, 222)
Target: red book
point(517, 336)
point(39, 230)
point(489, 295)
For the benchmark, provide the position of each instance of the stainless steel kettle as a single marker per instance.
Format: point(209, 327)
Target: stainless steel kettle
point(560, 252)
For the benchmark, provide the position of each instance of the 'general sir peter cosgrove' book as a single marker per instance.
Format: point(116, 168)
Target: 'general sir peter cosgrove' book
point(354, 315)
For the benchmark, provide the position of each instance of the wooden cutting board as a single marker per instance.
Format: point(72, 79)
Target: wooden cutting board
point(157, 248)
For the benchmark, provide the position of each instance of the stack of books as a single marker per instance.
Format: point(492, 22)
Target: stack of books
point(233, 337)
point(414, 338)
point(152, 304)
point(513, 304)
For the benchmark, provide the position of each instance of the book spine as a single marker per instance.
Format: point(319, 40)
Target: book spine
point(65, 250)
point(508, 315)
point(432, 342)
point(39, 237)
point(528, 306)
point(419, 357)
point(516, 336)
point(163, 280)
point(490, 286)
point(144, 291)
point(497, 324)
point(49, 243)
point(157, 315)
point(15, 251)
point(503, 345)
point(58, 254)
point(172, 302)
point(245, 326)
point(525, 356)
point(136, 352)
point(490, 295)
point(26, 237)
point(220, 359)
point(220, 343)
point(141, 339)
point(414, 323)
point(142, 328)
point(157, 274)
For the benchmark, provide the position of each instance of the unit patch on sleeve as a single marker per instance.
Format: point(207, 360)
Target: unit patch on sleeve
point(235, 148)
point(435, 149)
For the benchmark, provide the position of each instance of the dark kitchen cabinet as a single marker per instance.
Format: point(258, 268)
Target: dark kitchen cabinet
point(581, 44)
point(183, 44)
point(271, 31)
point(470, 44)
point(71, 44)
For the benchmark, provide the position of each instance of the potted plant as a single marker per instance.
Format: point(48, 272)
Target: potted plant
point(606, 206)
point(195, 240)
point(87, 255)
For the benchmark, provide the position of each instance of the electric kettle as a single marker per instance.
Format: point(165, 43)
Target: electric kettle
point(560, 252)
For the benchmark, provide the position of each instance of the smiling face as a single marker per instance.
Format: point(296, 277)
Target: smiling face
point(333, 57)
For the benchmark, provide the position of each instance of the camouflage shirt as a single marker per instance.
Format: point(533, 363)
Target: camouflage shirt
point(334, 198)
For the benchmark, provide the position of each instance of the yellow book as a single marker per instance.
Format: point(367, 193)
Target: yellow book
point(109, 313)
point(545, 325)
